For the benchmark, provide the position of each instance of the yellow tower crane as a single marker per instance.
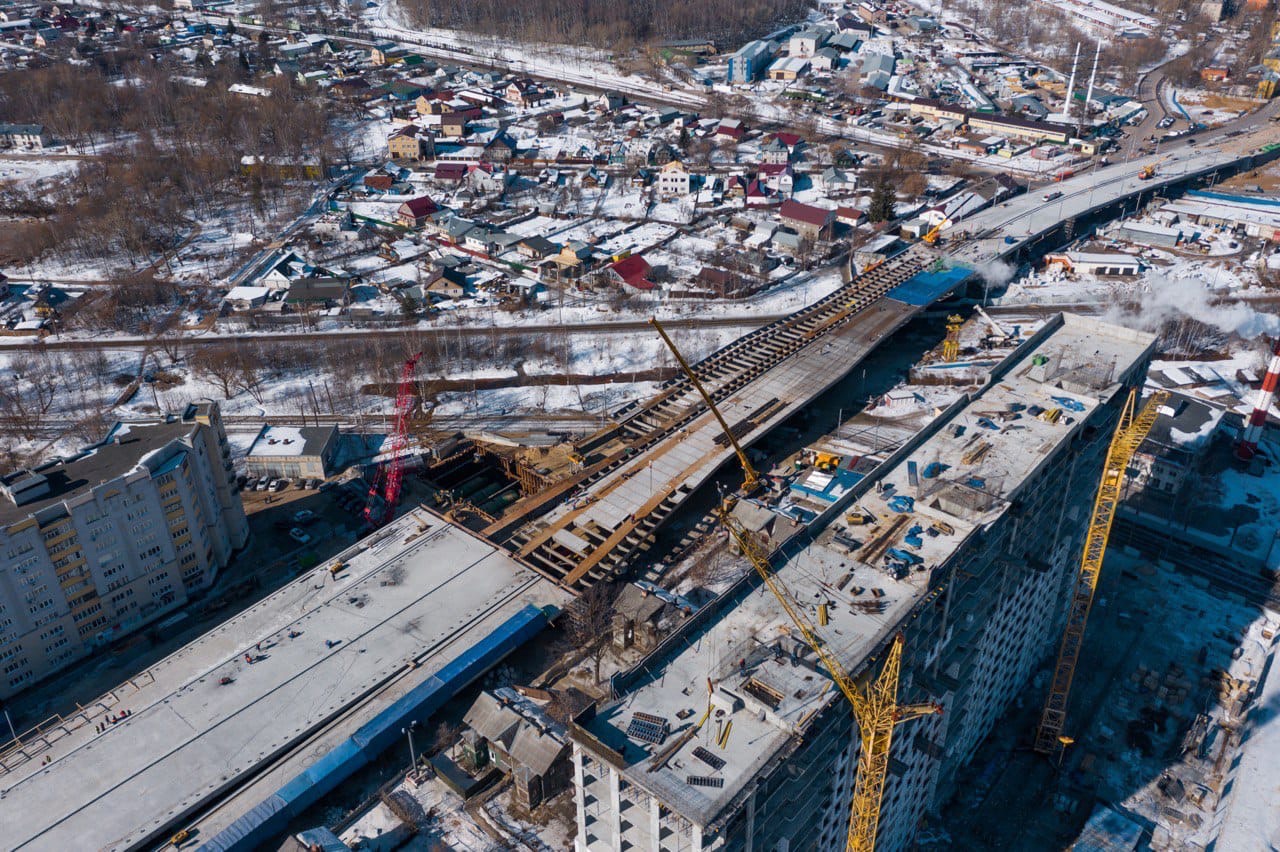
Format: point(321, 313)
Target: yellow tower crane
point(750, 479)
point(1130, 433)
point(951, 344)
point(874, 702)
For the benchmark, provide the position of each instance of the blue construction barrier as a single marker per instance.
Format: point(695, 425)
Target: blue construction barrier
point(271, 816)
point(925, 288)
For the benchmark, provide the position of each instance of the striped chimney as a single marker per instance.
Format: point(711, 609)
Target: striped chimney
point(1247, 447)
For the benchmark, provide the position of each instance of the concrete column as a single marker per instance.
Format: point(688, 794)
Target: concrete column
point(695, 838)
point(655, 823)
point(580, 798)
point(615, 807)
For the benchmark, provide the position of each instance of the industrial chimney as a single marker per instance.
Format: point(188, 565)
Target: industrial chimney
point(1247, 447)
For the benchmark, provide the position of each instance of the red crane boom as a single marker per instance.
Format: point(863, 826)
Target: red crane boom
point(391, 474)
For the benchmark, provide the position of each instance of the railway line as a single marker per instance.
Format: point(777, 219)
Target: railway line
point(425, 335)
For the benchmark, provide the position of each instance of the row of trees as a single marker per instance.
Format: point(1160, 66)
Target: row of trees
point(616, 26)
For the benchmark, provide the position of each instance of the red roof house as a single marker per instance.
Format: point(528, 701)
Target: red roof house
point(633, 271)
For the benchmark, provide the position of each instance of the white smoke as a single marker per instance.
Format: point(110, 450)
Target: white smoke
point(995, 272)
point(1166, 299)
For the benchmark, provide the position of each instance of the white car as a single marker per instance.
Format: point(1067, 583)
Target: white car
point(299, 536)
point(1053, 196)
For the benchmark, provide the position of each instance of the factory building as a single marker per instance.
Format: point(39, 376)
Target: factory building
point(100, 544)
point(966, 540)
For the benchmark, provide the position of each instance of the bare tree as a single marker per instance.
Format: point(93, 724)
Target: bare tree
point(219, 364)
point(588, 622)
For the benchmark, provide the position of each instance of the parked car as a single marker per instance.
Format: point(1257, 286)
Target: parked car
point(262, 485)
point(300, 536)
point(328, 485)
point(305, 516)
point(280, 484)
point(251, 483)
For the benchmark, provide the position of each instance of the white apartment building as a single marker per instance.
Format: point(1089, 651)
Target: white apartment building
point(973, 564)
point(95, 546)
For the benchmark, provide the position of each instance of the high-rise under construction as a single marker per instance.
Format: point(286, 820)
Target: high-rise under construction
point(966, 540)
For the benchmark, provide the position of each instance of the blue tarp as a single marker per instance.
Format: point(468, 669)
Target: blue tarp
point(841, 481)
point(925, 288)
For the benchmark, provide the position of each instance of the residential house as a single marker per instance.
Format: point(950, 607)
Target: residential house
point(450, 174)
point(386, 53)
point(807, 220)
point(453, 125)
point(724, 283)
point(486, 178)
point(326, 292)
point(516, 733)
point(610, 102)
point(774, 152)
point(524, 92)
point(536, 248)
point(633, 271)
point(243, 298)
point(500, 149)
point(674, 180)
point(411, 143)
point(730, 128)
point(851, 216)
point(574, 260)
point(414, 212)
point(780, 179)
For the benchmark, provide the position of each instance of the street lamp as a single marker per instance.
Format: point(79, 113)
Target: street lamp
point(413, 757)
point(1063, 742)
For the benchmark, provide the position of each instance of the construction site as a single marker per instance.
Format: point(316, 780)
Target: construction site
point(941, 574)
point(725, 619)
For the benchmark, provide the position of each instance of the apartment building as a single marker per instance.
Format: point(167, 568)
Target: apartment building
point(730, 736)
point(97, 545)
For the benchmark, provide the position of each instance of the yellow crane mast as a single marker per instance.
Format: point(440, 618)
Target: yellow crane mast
point(951, 344)
point(875, 703)
point(1130, 433)
point(750, 479)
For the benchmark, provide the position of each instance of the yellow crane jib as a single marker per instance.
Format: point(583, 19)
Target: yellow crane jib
point(936, 231)
point(1131, 431)
point(875, 703)
point(750, 479)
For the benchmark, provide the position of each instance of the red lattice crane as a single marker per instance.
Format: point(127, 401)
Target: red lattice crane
point(391, 474)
